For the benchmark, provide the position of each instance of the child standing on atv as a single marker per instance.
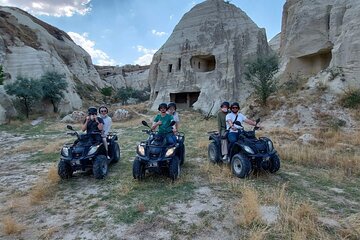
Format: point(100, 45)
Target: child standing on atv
point(163, 121)
point(106, 128)
point(221, 119)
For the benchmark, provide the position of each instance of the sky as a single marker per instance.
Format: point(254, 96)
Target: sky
point(119, 32)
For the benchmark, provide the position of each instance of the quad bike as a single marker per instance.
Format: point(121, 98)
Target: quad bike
point(88, 152)
point(247, 154)
point(155, 155)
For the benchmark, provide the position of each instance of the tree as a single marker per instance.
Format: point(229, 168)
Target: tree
point(124, 94)
point(53, 84)
point(27, 90)
point(260, 73)
point(1, 75)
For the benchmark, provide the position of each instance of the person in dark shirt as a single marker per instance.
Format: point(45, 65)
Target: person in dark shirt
point(221, 117)
point(93, 123)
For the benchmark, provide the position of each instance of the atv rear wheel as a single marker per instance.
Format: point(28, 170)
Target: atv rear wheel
point(274, 163)
point(174, 168)
point(100, 167)
point(213, 153)
point(240, 166)
point(138, 169)
point(182, 160)
point(64, 170)
point(115, 152)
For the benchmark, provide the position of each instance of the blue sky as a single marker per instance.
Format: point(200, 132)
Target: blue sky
point(119, 32)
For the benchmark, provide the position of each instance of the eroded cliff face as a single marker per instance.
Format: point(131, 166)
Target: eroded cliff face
point(203, 61)
point(30, 47)
point(322, 36)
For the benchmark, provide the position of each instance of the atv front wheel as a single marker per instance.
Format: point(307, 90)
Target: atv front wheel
point(174, 168)
point(100, 167)
point(274, 163)
point(240, 166)
point(213, 153)
point(64, 170)
point(115, 152)
point(138, 169)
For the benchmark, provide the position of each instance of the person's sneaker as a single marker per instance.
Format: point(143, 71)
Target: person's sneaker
point(225, 157)
point(108, 157)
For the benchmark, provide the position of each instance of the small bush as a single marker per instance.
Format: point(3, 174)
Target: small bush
point(1, 75)
point(106, 91)
point(351, 98)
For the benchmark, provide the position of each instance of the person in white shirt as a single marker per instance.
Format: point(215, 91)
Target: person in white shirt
point(172, 111)
point(231, 118)
point(107, 126)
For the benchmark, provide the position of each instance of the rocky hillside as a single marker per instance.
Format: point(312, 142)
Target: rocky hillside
point(30, 47)
point(202, 62)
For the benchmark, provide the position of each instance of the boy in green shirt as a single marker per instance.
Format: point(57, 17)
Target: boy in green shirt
point(163, 121)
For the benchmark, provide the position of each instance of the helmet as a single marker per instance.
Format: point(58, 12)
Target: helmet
point(92, 110)
point(227, 104)
point(235, 104)
point(107, 110)
point(171, 104)
point(162, 105)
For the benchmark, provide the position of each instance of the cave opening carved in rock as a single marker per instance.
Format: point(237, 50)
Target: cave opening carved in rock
point(203, 63)
point(184, 99)
point(310, 65)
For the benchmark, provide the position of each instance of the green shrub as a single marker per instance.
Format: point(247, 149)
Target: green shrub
point(106, 91)
point(53, 84)
point(260, 73)
point(125, 93)
point(351, 98)
point(27, 90)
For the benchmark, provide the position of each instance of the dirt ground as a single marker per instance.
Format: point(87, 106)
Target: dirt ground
point(202, 204)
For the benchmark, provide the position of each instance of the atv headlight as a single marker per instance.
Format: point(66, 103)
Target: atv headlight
point(270, 146)
point(248, 149)
point(170, 152)
point(65, 151)
point(93, 149)
point(141, 150)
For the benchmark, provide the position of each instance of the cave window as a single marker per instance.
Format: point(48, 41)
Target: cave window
point(170, 68)
point(203, 63)
point(184, 99)
point(179, 64)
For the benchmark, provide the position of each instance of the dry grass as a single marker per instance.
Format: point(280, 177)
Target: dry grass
point(48, 233)
point(54, 146)
point(28, 146)
point(351, 227)
point(248, 208)
point(45, 187)
point(305, 155)
point(216, 173)
point(258, 233)
point(10, 226)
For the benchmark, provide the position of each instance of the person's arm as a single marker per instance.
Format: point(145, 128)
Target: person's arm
point(100, 125)
point(84, 126)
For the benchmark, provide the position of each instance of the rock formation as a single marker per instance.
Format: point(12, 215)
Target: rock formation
point(30, 47)
point(203, 61)
point(133, 76)
point(321, 38)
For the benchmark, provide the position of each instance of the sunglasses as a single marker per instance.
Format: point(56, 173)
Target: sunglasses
point(234, 108)
point(104, 111)
point(92, 113)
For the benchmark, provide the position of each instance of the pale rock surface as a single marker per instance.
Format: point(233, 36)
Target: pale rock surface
point(6, 108)
point(274, 43)
point(132, 76)
point(320, 36)
point(30, 47)
point(120, 114)
point(206, 55)
point(74, 117)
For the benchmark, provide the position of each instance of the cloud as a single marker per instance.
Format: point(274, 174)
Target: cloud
point(171, 17)
point(147, 57)
point(98, 57)
point(159, 34)
point(51, 7)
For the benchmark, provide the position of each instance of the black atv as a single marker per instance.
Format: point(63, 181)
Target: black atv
point(247, 154)
point(155, 155)
point(88, 152)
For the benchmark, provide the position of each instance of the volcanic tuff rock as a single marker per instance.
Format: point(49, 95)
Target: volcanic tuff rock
point(322, 36)
point(30, 47)
point(202, 62)
point(133, 76)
